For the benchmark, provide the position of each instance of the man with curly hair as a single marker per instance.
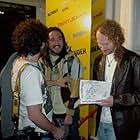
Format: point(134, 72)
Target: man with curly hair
point(35, 108)
point(118, 116)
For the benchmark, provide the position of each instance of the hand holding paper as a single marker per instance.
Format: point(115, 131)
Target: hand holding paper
point(92, 91)
point(105, 102)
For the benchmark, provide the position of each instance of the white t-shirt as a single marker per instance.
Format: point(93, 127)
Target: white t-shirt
point(31, 84)
point(109, 72)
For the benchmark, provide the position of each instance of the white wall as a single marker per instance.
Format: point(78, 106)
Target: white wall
point(136, 26)
point(126, 12)
point(126, 21)
point(120, 11)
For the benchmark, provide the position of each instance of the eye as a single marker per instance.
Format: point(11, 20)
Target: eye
point(60, 38)
point(52, 40)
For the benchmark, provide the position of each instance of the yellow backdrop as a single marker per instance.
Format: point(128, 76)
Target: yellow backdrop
point(74, 18)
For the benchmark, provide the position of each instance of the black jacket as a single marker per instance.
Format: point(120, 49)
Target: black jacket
point(126, 94)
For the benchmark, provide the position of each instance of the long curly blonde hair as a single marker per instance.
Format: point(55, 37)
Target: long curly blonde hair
point(114, 32)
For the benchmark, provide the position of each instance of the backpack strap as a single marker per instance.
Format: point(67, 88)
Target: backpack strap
point(16, 96)
point(17, 85)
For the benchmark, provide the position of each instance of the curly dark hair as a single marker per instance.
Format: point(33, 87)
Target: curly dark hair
point(114, 32)
point(28, 37)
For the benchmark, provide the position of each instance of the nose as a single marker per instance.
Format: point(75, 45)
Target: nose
point(56, 42)
point(101, 47)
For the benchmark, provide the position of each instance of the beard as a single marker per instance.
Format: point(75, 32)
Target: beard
point(53, 52)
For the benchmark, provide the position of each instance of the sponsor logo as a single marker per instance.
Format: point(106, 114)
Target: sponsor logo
point(69, 20)
point(53, 12)
point(64, 9)
point(77, 34)
point(80, 51)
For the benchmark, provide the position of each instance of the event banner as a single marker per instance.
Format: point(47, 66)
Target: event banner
point(73, 17)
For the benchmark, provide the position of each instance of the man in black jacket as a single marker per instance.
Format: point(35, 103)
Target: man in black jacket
point(118, 116)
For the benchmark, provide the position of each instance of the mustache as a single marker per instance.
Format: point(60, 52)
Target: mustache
point(56, 45)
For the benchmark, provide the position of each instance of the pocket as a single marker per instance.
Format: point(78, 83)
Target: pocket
point(26, 134)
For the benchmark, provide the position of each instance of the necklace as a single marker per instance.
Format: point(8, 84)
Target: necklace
point(109, 62)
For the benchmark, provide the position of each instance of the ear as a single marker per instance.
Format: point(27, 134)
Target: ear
point(43, 46)
point(46, 44)
point(117, 38)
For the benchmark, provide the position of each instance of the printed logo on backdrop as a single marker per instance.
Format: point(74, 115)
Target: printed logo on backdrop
point(65, 9)
point(78, 34)
point(53, 12)
point(69, 20)
point(81, 51)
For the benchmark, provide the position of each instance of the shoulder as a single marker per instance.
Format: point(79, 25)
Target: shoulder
point(131, 55)
point(31, 71)
point(72, 57)
point(131, 58)
point(8, 66)
point(99, 58)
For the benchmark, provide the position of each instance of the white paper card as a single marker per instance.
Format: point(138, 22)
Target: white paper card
point(92, 90)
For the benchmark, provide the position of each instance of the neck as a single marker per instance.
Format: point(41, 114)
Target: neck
point(30, 58)
point(53, 54)
point(110, 59)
